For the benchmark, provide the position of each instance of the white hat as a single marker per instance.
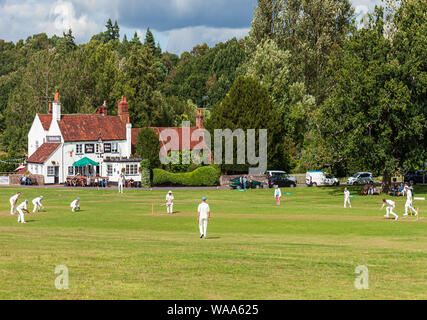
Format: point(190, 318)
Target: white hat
point(41, 197)
point(170, 191)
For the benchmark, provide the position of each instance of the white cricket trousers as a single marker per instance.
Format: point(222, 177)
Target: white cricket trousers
point(20, 216)
point(36, 207)
point(390, 211)
point(203, 226)
point(408, 206)
point(120, 187)
point(347, 200)
point(75, 208)
point(12, 208)
point(169, 208)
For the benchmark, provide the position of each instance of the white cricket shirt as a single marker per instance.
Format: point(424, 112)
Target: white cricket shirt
point(203, 209)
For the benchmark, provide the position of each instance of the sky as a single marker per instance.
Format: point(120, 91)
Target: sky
point(178, 25)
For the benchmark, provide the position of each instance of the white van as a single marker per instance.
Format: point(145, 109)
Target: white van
point(320, 178)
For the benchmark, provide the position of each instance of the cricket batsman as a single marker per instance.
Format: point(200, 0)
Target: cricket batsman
point(37, 203)
point(21, 209)
point(13, 201)
point(169, 202)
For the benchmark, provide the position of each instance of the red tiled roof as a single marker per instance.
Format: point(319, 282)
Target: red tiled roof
point(176, 146)
point(88, 127)
point(43, 153)
point(45, 119)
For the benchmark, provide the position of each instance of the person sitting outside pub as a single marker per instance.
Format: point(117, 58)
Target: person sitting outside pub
point(401, 191)
point(365, 189)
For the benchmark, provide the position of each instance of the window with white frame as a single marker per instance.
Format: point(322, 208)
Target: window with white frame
point(98, 148)
point(114, 147)
point(70, 171)
point(131, 169)
point(37, 169)
point(37, 144)
point(109, 170)
point(50, 171)
point(79, 149)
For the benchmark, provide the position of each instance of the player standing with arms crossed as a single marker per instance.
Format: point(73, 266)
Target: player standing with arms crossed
point(408, 204)
point(391, 205)
point(347, 198)
point(203, 217)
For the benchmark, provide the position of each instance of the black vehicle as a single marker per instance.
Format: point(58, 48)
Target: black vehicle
point(415, 176)
point(280, 178)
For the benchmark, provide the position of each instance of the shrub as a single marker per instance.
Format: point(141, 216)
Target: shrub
point(204, 176)
point(145, 173)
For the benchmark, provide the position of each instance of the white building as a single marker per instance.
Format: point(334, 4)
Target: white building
point(57, 141)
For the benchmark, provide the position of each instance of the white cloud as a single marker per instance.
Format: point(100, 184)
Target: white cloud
point(18, 21)
point(185, 39)
point(178, 25)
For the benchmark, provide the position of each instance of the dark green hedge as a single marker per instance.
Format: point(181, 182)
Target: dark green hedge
point(204, 176)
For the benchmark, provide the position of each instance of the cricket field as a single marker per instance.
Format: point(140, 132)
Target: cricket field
point(116, 248)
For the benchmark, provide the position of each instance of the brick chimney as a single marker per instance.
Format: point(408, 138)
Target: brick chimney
point(50, 107)
point(123, 110)
point(199, 119)
point(56, 108)
point(104, 109)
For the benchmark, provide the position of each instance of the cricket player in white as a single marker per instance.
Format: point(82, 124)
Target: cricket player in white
point(204, 214)
point(13, 201)
point(277, 195)
point(121, 182)
point(169, 202)
point(21, 208)
point(391, 205)
point(75, 205)
point(408, 204)
point(347, 198)
point(37, 203)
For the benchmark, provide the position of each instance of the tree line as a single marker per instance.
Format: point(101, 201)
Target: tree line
point(333, 93)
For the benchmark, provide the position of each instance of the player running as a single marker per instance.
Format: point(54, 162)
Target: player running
point(391, 205)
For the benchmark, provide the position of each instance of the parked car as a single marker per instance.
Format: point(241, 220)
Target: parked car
point(360, 178)
point(235, 184)
point(320, 178)
point(414, 177)
point(280, 178)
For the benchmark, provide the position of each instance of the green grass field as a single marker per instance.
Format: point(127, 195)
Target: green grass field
point(115, 248)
